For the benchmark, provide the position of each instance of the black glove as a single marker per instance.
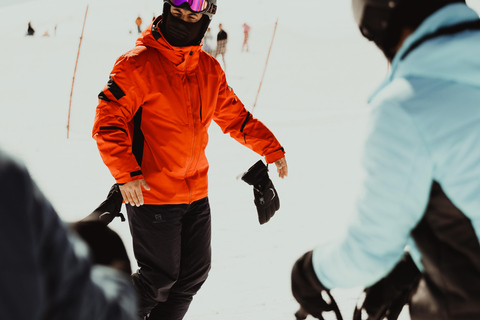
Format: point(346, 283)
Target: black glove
point(108, 209)
point(105, 245)
point(307, 290)
point(266, 197)
point(386, 298)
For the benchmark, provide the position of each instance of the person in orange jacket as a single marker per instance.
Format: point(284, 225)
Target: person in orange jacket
point(151, 130)
point(138, 23)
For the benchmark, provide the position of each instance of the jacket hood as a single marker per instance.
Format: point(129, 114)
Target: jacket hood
point(451, 58)
point(184, 58)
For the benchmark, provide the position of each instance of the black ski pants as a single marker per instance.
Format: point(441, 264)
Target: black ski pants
point(172, 247)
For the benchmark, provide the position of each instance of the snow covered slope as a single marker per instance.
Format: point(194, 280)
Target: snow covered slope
point(319, 76)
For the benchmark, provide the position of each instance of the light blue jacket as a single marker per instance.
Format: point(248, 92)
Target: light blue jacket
point(45, 273)
point(424, 127)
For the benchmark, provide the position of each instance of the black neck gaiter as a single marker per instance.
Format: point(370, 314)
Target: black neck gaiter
point(180, 33)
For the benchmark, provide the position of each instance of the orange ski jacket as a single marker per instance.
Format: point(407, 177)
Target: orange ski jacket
point(154, 112)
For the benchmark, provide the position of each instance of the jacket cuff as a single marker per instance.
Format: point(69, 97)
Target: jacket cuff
point(129, 177)
point(274, 156)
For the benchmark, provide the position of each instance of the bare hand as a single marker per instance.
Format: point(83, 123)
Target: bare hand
point(282, 167)
point(132, 192)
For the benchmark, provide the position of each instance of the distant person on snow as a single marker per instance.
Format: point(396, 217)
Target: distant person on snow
point(221, 44)
point(151, 128)
point(139, 22)
point(422, 173)
point(47, 271)
point(246, 31)
point(30, 30)
point(207, 41)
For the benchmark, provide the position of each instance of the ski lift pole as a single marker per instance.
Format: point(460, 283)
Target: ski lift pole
point(74, 72)
point(265, 69)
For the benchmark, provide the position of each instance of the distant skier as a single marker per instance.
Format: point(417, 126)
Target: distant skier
point(139, 22)
point(30, 30)
point(422, 173)
point(246, 31)
point(151, 127)
point(207, 41)
point(221, 44)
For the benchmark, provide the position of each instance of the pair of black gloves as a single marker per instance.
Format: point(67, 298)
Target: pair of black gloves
point(383, 300)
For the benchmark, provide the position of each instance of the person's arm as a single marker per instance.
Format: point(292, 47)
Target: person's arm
point(118, 103)
point(394, 194)
point(232, 117)
point(46, 272)
point(395, 191)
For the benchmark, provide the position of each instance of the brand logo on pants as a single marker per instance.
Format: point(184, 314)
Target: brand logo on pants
point(158, 218)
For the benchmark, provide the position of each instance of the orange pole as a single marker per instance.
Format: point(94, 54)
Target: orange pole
point(74, 72)
point(265, 69)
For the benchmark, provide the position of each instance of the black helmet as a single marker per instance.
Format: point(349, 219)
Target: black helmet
point(207, 7)
point(381, 21)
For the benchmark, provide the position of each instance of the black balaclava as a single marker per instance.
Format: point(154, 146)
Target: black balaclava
point(180, 33)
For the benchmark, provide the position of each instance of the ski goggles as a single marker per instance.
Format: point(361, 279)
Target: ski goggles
point(197, 6)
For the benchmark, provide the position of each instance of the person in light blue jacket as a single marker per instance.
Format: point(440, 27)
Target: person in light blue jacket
point(421, 188)
point(46, 271)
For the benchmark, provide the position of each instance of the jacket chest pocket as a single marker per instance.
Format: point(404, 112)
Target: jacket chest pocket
point(206, 111)
point(172, 109)
point(207, 102)
point(169, 102)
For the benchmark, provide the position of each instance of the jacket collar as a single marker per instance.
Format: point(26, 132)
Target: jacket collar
point(184, 58)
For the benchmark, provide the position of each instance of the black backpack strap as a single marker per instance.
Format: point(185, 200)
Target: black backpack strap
point(450, 251)
point(471, 25)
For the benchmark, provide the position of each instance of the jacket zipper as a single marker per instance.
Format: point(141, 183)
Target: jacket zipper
point(200, 98)
point(194, 134)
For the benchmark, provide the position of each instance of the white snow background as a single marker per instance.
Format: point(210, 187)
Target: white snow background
point(313, 97)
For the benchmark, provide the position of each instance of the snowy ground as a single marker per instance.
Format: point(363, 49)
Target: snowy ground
point(319, 76)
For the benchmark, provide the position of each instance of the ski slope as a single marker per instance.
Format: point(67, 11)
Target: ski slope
point(313, 97)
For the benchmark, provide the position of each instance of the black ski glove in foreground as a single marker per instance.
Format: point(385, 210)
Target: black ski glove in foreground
point(108, 209)
point(266, 197)
point(307, 290)
point(106, 246)
point(386, 298)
